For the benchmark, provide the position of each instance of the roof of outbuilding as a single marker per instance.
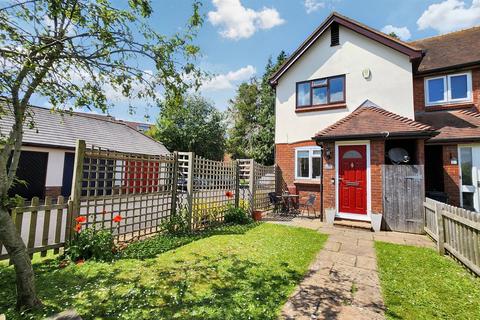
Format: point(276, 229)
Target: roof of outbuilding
point(370, 120)
point(449, 50)
point(453, 125)
point(53, 129)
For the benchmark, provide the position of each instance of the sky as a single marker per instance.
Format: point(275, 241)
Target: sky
point(238, 36)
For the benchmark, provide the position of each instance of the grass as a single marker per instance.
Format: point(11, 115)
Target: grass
point(224, 276)
point(418, 283)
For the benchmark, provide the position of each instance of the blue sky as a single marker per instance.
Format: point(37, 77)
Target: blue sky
point(238, 36)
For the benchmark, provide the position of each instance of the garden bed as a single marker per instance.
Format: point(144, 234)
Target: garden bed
point(234, 272)
point(418, 283)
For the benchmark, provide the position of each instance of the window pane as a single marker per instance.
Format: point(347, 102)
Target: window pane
point(466, 165)
point(321, 82)
point(337, 89)
point(352, 154)
point(303, 94)
point(302, 164)
point(458, 87)
point(316, 163)
point(317, 153)
point(319, 95)
point(467, 198)
point(436, 90)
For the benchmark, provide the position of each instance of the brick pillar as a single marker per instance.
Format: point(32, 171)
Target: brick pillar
point(420, 155)
point(53, 191)
point(451, 175)
point(377, 159)
point(329, 176)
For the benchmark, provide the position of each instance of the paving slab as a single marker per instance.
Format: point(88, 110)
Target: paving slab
point(343, 281)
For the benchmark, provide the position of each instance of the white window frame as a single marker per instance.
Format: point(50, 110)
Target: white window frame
point(310, 162)
point(447, 94)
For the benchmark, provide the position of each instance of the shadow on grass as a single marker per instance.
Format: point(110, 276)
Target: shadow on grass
point(222, 287)
point(199, 286)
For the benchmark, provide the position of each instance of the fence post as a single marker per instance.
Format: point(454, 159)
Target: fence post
point(441, 235)
point(76, 192)
point(237, 183)
point(251, 185)
point(174, 184)
point(191, 159)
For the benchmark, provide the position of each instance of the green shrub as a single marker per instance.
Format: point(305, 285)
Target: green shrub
point(91, 244)
point(177, 224)
point(237, 216)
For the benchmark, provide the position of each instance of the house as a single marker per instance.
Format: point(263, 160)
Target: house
point(350, 95)
point(48, 150)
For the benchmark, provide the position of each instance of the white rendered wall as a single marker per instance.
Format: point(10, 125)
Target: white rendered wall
point(390, 85)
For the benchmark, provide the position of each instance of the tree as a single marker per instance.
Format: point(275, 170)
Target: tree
point(394, 35)
point(252, 117)
point(71, 51)
point(195, 125)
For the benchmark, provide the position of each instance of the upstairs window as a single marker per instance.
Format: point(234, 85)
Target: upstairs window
point(321, 92)
point(447, 89)
point(308, 162)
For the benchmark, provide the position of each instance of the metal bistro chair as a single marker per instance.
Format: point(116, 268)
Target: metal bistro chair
point(272, 196)
point(309, 203)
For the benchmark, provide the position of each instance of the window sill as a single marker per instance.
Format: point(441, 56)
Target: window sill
point(451, 106)
point(321, 108)
point(308, 181)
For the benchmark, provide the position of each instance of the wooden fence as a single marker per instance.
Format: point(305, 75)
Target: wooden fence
point(144, 190)
point(41, 225)
point(456, 231)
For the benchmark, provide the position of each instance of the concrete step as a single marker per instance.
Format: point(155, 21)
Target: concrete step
point(351, 224)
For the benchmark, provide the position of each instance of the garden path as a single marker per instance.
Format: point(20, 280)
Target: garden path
point(343, 281)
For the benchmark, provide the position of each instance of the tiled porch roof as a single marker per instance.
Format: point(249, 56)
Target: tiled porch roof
point(453, 125)
point(371, 121)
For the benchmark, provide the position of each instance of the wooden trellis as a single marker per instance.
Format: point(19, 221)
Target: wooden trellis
point(144, 190)
point(139, 188)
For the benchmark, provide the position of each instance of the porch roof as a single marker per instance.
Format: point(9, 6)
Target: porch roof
point(462, 125)
point(371, 121)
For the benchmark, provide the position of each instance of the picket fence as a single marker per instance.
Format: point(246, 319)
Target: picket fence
point(456, 231)
point(144, 190)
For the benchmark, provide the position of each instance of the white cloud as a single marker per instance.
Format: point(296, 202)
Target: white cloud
point(402, 32)
point(238, 22)
point(225, 81)
point(450, 15)
point(313, 5)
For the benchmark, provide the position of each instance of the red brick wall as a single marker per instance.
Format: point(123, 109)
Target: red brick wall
point(419, 94)
point(377, 159)
point(53, 192)
point(285, 159)
point(451, 175)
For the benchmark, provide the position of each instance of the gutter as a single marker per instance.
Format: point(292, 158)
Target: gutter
point(381, 135)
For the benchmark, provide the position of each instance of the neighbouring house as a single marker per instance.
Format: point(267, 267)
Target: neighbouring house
point(48, 149)
point(350, 94)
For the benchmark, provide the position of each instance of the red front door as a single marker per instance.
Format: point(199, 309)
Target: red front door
point(352, 178)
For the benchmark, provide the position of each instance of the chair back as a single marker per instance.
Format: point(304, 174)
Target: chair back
point(311, 199)
point(272, 196)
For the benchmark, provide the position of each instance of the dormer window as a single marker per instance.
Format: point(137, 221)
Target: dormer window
point(321, 92)
point(448, 89)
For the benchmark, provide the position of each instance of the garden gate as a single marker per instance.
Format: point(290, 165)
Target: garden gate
point(403, 194)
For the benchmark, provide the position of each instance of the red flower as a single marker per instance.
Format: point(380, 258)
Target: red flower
point(117, 218)
point(81, 219)
point(229, 194)
point(78, 227)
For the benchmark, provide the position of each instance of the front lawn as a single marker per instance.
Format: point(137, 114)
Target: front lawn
point(418, 283)
point(227, 276)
